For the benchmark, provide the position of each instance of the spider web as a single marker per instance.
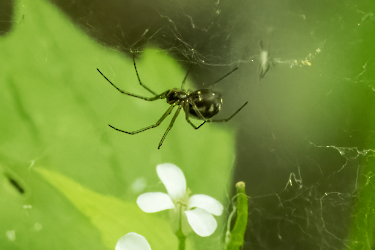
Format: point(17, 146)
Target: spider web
point(304, 146)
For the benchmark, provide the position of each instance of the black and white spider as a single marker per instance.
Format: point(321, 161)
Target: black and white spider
point(201, 104)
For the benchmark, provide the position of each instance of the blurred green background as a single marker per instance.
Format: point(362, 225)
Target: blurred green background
point(68, 181)
point(304, 144)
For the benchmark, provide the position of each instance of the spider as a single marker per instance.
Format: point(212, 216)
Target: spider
point(201, 104)
point(265, 63)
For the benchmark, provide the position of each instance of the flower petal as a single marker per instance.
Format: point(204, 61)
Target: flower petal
point(154, 202)
point(132, 241)
point(207, 203)
point(202, 222)
point(173, 179)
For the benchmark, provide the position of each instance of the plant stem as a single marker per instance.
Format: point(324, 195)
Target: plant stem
point(181, 244)
point(236, 236)
point(180, 235)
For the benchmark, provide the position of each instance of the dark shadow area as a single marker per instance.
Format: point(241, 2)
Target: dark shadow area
point(6, 16)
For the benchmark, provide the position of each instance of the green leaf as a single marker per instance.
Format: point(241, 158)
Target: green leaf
point(57, 108)
point(111, 216)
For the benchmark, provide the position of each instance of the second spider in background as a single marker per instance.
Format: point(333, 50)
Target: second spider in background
point(265, 62)
point(201, 104)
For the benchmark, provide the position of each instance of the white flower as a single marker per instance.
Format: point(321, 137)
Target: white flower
point(197, 210)
point(132, 241)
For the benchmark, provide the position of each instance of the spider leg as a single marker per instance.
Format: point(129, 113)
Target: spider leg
point(261, 44)
point(186, 109)
point(227, 119)
point(192, 124)
point(263, 68)
point(156, 97)
point(224, 76)
point(169, 110)
point(170, 126)
point(207, 120)
point(139, 79)
point(183, 81)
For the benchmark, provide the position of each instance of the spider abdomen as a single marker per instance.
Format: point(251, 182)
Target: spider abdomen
point(206, 101)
